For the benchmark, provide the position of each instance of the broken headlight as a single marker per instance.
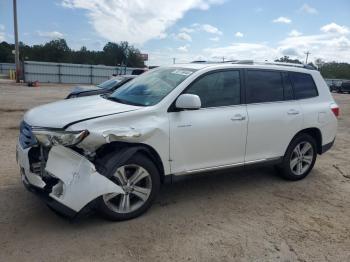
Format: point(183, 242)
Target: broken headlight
point(49, 137)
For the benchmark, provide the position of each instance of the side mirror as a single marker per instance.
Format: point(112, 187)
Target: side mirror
point(188, 101)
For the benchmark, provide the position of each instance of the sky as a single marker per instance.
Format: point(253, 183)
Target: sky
point(189, 29)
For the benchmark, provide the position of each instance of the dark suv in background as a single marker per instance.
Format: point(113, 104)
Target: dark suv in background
point(344, 87)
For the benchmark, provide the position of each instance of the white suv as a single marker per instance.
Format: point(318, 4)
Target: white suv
point(113, 152)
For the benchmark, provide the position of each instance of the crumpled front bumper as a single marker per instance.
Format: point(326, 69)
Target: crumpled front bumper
point(76, 181)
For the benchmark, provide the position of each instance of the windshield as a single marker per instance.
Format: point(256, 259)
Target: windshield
point(150, 88)
point(110, 83)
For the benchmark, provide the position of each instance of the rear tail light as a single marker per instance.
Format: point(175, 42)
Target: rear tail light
point(335, 109)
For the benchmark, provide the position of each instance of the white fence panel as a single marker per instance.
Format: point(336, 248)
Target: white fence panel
point(6, 67)
point(71, 73)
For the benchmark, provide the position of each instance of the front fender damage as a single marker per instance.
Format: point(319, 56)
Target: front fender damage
point(79, 182)
point(128, 134)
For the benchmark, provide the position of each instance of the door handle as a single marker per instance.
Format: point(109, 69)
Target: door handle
point(238, 117)
point(293, 112)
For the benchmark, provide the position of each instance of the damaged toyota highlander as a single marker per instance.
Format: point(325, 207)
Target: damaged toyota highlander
point(112, 152)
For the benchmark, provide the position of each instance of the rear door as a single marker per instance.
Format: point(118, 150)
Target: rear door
point(274, 116)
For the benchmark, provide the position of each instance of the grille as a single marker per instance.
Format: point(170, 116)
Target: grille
point(26, 137)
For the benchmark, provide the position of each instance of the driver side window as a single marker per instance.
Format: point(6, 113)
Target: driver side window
point(218, 89)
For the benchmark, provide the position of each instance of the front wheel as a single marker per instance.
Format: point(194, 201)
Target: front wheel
point(139, 178)
point(299, 158)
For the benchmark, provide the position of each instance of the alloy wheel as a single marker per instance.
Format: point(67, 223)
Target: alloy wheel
point(137, 185)
point(301, 158)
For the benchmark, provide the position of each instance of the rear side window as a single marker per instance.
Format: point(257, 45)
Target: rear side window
point(218, 89)
point(304, 85)
point(264, 86)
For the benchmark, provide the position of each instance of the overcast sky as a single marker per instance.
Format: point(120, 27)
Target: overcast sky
point(189, 29)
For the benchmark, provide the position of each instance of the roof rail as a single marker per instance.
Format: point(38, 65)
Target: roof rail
point(247, 61)
point(282, 64)
point(198, 61)
point(274, 63)
point(252, 62)
point(223, 62)
point(204, 62)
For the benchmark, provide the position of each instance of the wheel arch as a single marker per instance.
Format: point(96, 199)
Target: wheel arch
point(127, 150)
point(313, 132)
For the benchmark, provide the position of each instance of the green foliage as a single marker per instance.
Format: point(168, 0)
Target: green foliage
point(328, 70)
point(286, 59)
point(113, 54)
point(335, 70)
point(6, 53)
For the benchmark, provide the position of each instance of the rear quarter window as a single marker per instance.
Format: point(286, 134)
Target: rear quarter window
point(264, 86)
point(303, 84)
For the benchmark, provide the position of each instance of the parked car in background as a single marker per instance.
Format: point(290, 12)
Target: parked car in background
point(106, 87)
point(334, 84)
point(344, 87)
point(330, 84)
point(111, 153)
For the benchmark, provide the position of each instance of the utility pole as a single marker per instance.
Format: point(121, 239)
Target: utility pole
point(18, 66)
point(307, 56)
point(223, 59)
point(174, 59)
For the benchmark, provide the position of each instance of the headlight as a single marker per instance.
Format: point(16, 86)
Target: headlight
point(49, 137)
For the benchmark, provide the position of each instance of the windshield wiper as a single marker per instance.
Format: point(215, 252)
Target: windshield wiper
point(122, 101)
point(114, 99)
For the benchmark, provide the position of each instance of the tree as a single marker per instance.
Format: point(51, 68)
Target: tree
point(134, 58)
point(286, 59)
point(58, 51)
point(115, 54)
point(6, 55)
point(319, 63)
point(335, 70)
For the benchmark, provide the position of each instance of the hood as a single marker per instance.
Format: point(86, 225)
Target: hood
point(79, 89)
point(61, 113)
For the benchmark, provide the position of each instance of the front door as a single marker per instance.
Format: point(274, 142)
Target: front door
point(215, 135)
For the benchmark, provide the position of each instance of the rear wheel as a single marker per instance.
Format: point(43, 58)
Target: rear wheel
point(139, 178)
point(299, 158)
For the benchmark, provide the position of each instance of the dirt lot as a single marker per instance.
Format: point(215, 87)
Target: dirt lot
point(250, 215)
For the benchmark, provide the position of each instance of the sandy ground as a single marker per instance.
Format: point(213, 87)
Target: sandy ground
point(250, 215)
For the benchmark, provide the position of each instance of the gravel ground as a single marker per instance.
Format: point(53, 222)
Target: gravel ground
point(250, 215)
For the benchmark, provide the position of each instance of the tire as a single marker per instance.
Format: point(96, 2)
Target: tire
point(139, 195)
point(297, 164)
